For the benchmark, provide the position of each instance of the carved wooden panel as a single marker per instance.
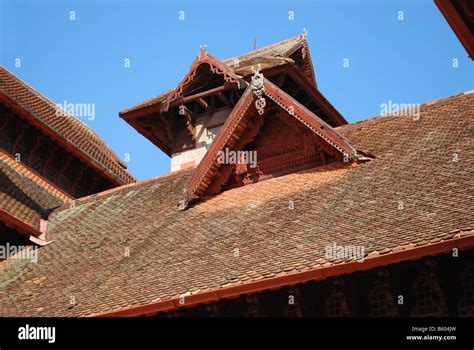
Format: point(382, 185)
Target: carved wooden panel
point(43, 155)
point(282, 145)
point(466, 305)
point(429, 301)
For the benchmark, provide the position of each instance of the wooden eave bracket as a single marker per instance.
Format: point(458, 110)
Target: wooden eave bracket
point(39, 241)
point(34, 235)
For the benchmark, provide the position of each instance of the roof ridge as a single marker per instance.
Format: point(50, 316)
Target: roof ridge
point(152, 99)
point(25, 171)
point(382, 118)
point(263, 48)
point(228, 62)
point(79, 122)
point(131, 185)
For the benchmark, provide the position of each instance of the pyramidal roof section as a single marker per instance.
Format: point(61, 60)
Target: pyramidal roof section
point(216, 67)
point(268, 56)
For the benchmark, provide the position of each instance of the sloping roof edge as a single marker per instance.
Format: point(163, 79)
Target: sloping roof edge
point(26, 112)
point(18, 224)
point(460, 240)
point(217, 67)
point(309, 119)
point(229, 62)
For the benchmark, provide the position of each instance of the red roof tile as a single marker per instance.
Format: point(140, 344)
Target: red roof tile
point(68, 129)
point(25, 195)
point(269, 56)
point(228, 135)
point(132, 246)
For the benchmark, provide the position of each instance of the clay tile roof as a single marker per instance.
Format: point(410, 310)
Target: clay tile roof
point(25, 195)
point(279, 49)
point(228, 134)
point(269, 56)
point(173, 252)
point(68, 128)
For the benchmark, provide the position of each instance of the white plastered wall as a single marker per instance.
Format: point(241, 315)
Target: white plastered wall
point(207, 128)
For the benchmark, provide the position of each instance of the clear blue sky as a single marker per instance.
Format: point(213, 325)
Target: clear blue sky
point(82, 61)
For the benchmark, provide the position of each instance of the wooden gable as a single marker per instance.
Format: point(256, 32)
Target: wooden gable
point(267, 134)
point(205, 73)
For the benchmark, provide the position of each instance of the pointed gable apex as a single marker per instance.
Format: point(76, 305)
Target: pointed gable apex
point(216, 66)
point(247, 115)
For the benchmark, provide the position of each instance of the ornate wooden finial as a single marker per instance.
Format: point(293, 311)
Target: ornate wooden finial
point(256, 71)
point(203, 51)
point(305, 33)
point(257, 88)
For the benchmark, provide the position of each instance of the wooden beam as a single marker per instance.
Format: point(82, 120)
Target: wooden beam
point(224, 99)
point(253, 306)
point(338, 291)
point(281, 80)
point(391, 306)
point(187, 99)
point(93, 185)
point(189, 122)
point(36, 144)
point(169, 126)
point(316, 96)
point(48, 159)
point(295, 308)
point(457, 24)
point(244, 138)
point(154, 108)
point(78, 179)
point(237, 93)
point(205, 105)
point(212, 310)
point(213, 102)
point(17, 224)
point(64, 164)
point(4, 123)
point(18, 138)
point(59, 139)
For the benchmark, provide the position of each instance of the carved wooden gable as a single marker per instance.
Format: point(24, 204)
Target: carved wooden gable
point(206, 72)
point(267, 134)
point(282, 145)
